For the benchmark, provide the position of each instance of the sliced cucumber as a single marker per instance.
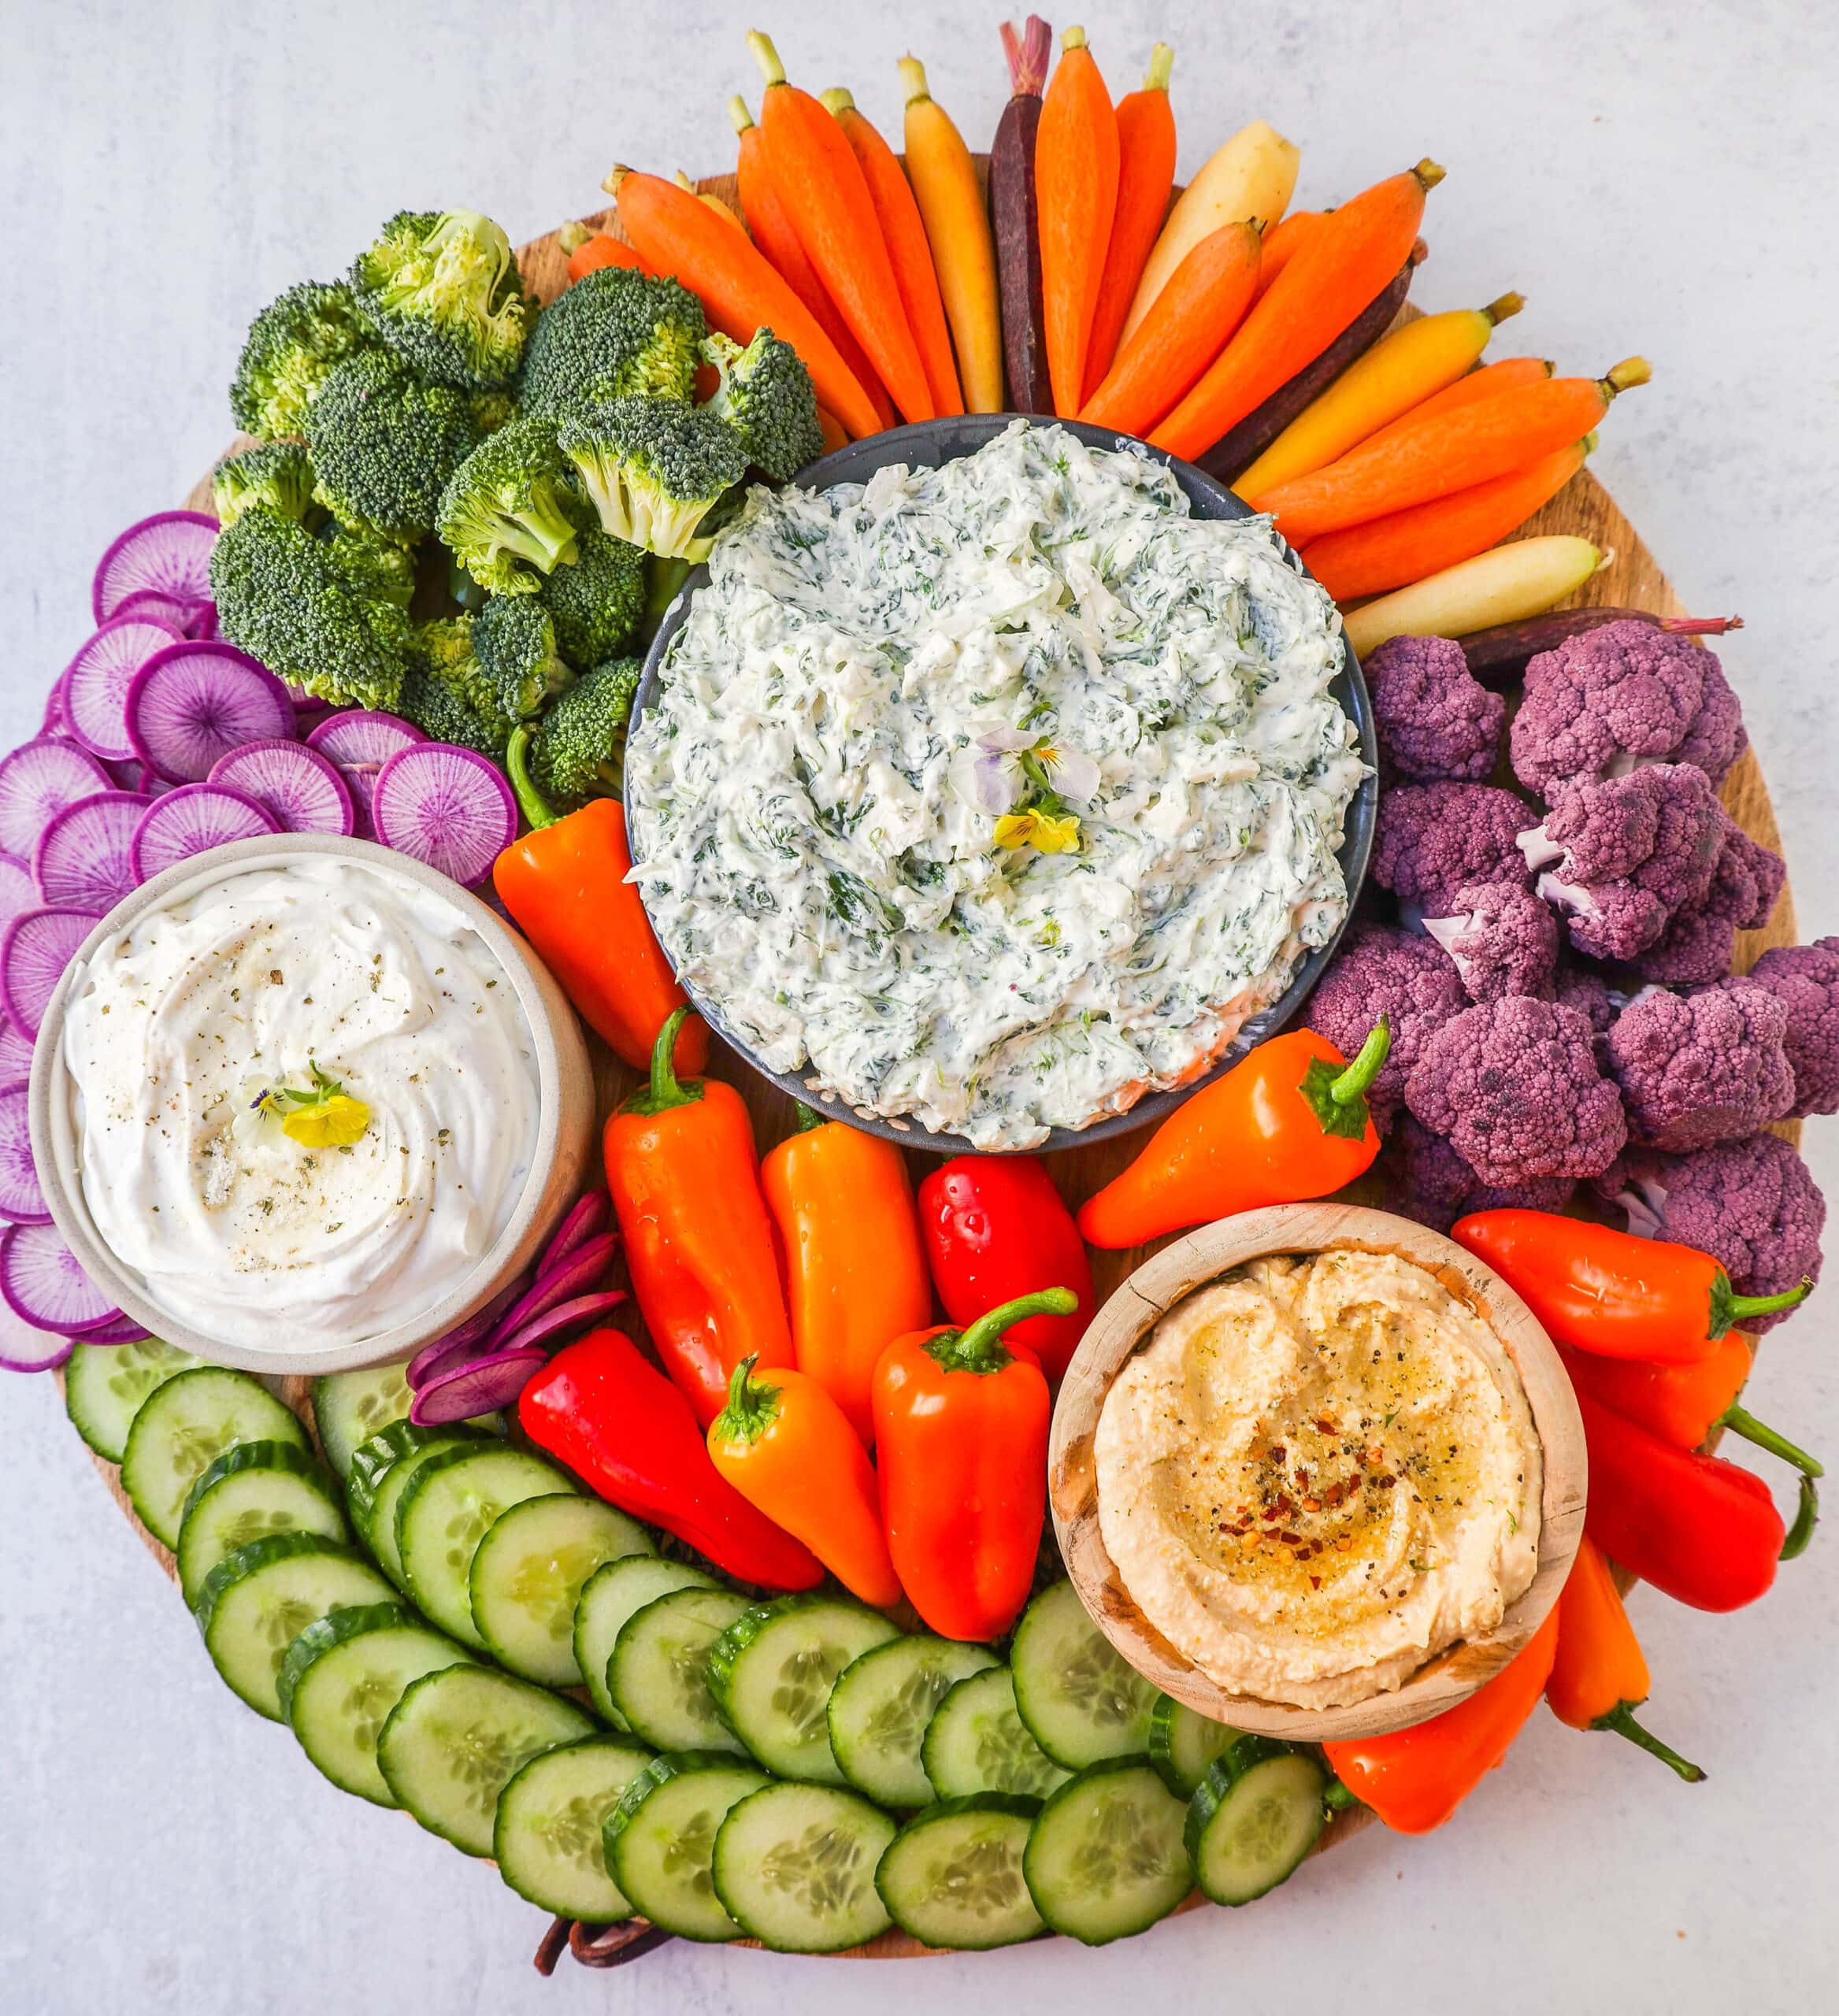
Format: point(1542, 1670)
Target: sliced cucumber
point(952, 1874)
point(256, 1602)
point(105, 1385)
point(446, 1508)
point(794, 1865)
point(1256, 1815)
point(182, 1427)
point(772, 1670)
point(976, 1743)
point(253, 1489)
point(660, 1840)
point(1081, 1701)
point(528, 1574)
point(1105, 1857)
point(658, 1675)
point(880, 1710)
point(546, 1841)
point(381, 1471)
point(457, 1737)
point(342, 1677)
point(1183, 1744)
point(609, 1596)
point(350, 1407)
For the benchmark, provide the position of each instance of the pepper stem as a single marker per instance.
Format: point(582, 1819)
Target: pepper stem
point(1728, 1308)
point(1740, 1421)
point(1621, 1719)
point(1806, 1518)
point(752, 1404)
point(810, 1120)
point(665, 1090)
point(531, 802)
point(1337, 1097)
point(1353, 1082)
point(979, 1347)
point(1339, 1798)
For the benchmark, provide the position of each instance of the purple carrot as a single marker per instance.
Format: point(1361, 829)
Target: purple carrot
point(299, 788)
point(21, 1200)
point(44, 1285)
point(481, 1388)
point(1498, 656)
point(39, 778)
point(35, 949)
point(468, 1337)
point(589, 1216)
point(553, 1324)
point(187, 821)
point(449, 808)
point(1014, 215)
point(583, 1268)
point(84, 860)
point(191, 703)
point(94, 689)
point(170, 551)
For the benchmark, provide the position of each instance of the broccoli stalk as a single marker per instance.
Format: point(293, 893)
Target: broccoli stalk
point(443, 290)
point(291, 346)
point(766, 396)
point(505, 514)
point(655, 470)
point(383, 445)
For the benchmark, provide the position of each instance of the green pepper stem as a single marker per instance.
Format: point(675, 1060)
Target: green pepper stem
point(665, 1090)
point(1621, 1719)
point(752, 1405)
point(1338, 1798)
point(1353, 1082)
point(810, 1120)
point(979, 1347)
point(1729, 1308)
point(1807, 1516)
point(530, 800)
point(1740, 1421)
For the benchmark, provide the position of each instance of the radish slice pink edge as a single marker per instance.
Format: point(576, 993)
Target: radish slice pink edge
point(92, 692)
point(18, 891)
point(20, 1199)
point(192, 703)
point(35, 949)
point(40, 778)
point(187, 822)
point(480, 1387)
point(449, 809)
point(85, 858)
point(44, 1285)
point(170, 551)
point(189, 619)
point(25, 1348)
point(360, 742)
point(299, 788)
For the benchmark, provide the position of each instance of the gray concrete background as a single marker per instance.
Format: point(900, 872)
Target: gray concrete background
point(1655, 176)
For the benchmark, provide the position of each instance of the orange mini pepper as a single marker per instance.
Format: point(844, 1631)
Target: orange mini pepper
point(685, 1184)
point(856, 1277)
point(1289, 1120)
point(789, 1449)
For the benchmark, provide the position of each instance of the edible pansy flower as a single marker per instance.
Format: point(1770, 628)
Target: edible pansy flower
point(323, 1115)
point(1013, 760)
point(1047, 831)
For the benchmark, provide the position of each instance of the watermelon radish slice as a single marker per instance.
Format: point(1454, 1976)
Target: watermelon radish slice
point(188, 821)
point(481, 1388)
point(18, 891)
point(15, 1053)
point(124, 1330)
point(38, 779)
point(23, 1348)
point(95, 685)
point(55, 721)
point(20, 1199)
point(190, 619)
point(299, 788)
point(35, 949)
point(448, 808)
point(170, 551)
point(43, 1284)
point(363, 735)
point(191, 703)
point(84, 858)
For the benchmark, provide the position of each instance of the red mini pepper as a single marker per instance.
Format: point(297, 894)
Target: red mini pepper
point(960, 1432)
point(995, 1228)
point(600, 1406)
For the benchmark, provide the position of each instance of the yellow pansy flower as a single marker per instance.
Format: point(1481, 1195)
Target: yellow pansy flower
point(1047, 832)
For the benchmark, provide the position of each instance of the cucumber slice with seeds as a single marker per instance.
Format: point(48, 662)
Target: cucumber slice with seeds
point(660, 1840)
point(1105, 1857)
point(976, 1743)
point(456, 1738)
point(341, 1677)
point(1256, 1815)
point(546, 1840)
point(256, 1602)
point(611, 1595)
point(881, 1708)
point(772, 1671)
point(182, 1427)
point(446, 1508)
point(349, 1408)
point(1081, 1700)
point(953, 1875)
point(658, 1675)
point(105, 1386)
point(527, 1574)
point(381, 1471)
point(1183, 1744)
point(253, 1489)
point(794, 1866)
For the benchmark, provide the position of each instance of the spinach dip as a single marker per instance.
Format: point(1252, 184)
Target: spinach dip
point(998, 794)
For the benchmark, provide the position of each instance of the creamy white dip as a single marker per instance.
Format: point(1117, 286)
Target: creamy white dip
point(810, 791)
point(183, 1023)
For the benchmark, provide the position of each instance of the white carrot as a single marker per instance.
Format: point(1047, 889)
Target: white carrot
point(1504, 585)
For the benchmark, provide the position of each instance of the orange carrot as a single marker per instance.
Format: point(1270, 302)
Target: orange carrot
point(1189, 322)
point(1448, 452)
point(740, 293)
point(1342, 267)
point(1076, 168)
point(773, 232)
point(821, 185)
point(1283, 241)
point(1482, 383)
point(1146, 174)
point(904, 232)
point(1404, 545)
point(589, 250)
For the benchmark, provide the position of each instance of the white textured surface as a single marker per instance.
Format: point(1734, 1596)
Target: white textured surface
point(1655, 176)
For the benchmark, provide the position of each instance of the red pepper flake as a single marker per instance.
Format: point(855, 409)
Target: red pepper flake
point(1334, 1494)
point(1325, 1425)
point(1312, 1505)
point(1315, 1581)
point(1277, 1452)
point(1290, 1539)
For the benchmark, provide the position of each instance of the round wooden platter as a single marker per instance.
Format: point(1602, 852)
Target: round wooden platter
point(1631, 579)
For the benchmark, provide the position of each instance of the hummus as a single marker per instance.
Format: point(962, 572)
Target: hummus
point(1318, 1474)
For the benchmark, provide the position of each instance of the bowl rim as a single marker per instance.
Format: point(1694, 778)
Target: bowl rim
point(1121, 1328)
point(934, 443)
point(562, 1067)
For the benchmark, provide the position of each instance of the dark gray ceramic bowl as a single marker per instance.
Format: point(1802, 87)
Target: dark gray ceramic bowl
point(929, 444)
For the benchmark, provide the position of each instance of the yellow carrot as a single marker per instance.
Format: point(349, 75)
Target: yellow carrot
point(957, 228)
point(721, 209)
point(1398, 373)
point(1504, 586)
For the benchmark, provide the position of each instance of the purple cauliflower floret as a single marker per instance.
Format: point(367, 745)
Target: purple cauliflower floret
point(1514, 1086)
point(1621, 858)
point(1592, 993)
point(1805, 979)
point(1613, 699)
point(1381, 971)
point(1437, 722)
point(1432, 839)
point(1701, 1068)
point(1753, 1205)
point(1500, 938)
point(1698, 945)
point(1427, 1180)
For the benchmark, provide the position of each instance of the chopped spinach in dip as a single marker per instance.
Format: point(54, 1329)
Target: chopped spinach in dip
point(811, 799)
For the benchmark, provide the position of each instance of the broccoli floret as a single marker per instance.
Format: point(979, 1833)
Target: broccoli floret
point(614, 332)
point(383, 445)
point(575, 751)
point(443, 290)
point(446, 694)
point(507, 514)
point(514, 643)
point(378, 565)
point(655, 470)
point(1427, 1180)
point(282, 596)
point(1805, 979)
point(596, 603)
point(1700, 942)
point(1501, 939)
point(1697, 1069)
point(1435, 721)
point(1381, 971)
point(491, 411)
point(1432, 839)
point(766, 396)
point(277, 476)
point(291, 346)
